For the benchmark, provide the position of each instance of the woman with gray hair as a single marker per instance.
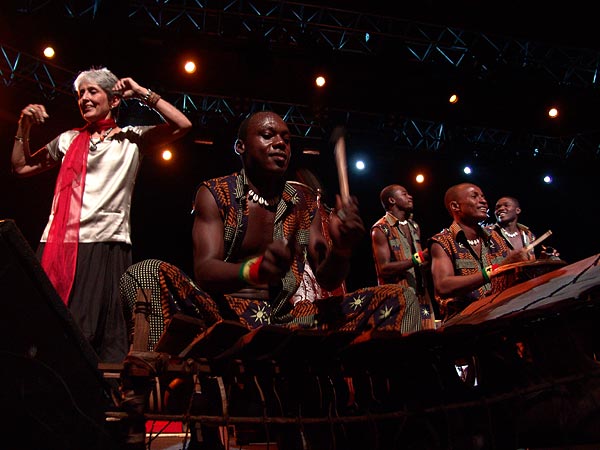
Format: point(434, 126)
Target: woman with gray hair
point(86, 244)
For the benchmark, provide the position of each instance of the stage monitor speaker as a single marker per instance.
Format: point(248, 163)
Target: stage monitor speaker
point(51, 391)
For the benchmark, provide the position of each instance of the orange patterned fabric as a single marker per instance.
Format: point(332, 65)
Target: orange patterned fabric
point(493, 250)
point(387, 307)
point(293, 219)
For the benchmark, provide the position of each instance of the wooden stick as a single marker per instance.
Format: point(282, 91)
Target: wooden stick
point(538, 240)
point(340, 161)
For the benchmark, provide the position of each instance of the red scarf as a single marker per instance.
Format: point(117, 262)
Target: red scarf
point(60, 252)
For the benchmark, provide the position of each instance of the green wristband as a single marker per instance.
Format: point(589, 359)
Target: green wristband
point(486, 277)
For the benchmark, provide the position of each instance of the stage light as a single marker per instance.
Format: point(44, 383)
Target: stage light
point(190, 67)
point(420, 178)
point(467, 170)
point(167, 155)
point(453, 99)
point(553, 112)
point(49, 52)
point(360, 165)
point(320, 81)
point(548, 179)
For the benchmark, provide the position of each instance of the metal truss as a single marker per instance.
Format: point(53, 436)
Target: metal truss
point(18, 69)
point(288, 23)
point(297, 24)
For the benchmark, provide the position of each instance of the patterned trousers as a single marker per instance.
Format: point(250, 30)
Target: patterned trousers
point(386, 307)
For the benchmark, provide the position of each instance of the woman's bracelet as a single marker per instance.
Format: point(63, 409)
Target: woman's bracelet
point(487, 272)
point(249, 270)
point(151, 98)
point(418, 258)
point(21, 139)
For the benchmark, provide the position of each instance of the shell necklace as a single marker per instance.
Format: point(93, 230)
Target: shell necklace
point(511, 235)
point(256, 198)
point(473, 242)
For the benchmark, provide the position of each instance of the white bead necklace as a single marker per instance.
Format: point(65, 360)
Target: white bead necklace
point(260, 199)
point(511, 235)
point(473, 242)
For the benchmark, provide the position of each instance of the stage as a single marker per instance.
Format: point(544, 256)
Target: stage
point(517, 370)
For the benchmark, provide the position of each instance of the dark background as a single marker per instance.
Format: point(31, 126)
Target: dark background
point(387, 81)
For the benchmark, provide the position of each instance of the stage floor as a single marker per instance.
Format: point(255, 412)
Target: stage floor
point(175, 442)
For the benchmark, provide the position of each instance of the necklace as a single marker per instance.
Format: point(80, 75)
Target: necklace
point(261, 200)
point(473, 242)
point(511, 235)
point(402, 222)
point(94, 145)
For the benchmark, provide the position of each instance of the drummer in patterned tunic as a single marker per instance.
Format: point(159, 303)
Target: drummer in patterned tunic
point(466, 255)
point(516, 235)
point(397, 252)
point(254, 234)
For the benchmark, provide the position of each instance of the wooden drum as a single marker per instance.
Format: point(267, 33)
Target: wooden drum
point(519, 272)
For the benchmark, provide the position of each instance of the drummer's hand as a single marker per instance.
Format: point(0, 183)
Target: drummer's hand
point(346, 228)
point(549, 253)
point(515, 256)
point(276, 260)
point(426, 260)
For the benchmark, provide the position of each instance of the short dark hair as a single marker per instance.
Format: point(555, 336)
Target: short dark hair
point(386, 193)
point(243, 128)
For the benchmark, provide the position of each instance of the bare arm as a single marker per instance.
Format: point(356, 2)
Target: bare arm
point(210, 271)
point(24, 163)
point(447, 284)
point(177, 124)
point(382, 256)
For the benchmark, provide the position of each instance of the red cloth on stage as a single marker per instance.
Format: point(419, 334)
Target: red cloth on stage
point(60, 252)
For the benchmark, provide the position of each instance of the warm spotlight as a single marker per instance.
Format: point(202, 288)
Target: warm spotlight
point(553, 113)
point(49, 52)
point(190, 67)
point(420, 178)
point(320, 81)
point(453, 99)
point(167, 155)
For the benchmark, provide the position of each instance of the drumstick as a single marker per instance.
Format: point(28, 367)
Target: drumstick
point(538, 240)
point(337, 136)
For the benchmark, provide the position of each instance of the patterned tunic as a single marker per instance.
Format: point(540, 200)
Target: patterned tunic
point(527, 236)
point(466, 262)
point(401, 248)
point(386, 307)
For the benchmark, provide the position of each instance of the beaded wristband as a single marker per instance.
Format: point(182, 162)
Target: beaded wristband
point(253, 270)
point(418, 258)
point(487, 272)
point(151, 98)
point(147, 96)
point(249, 270)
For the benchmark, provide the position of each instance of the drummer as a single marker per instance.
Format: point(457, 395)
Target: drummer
point(516, 235)
point(465, 256)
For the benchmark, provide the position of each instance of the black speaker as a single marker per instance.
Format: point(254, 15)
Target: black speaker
point(52, 394)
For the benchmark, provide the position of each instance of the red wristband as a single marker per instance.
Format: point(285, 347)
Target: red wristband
point(418, 258)
point(253, 270)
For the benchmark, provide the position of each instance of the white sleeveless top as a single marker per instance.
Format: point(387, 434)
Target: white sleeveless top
point(112, 170)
